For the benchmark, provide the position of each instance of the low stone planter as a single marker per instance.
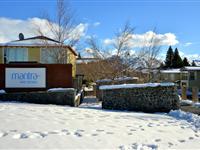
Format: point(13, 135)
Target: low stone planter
point(140, 97)
point(59, 97)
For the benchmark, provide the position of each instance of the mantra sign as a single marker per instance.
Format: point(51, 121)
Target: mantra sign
point(25, 77)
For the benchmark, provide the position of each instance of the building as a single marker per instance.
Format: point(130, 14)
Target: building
point(193, 76)
point(173, 75)
point(192, 83)
point(39, 49)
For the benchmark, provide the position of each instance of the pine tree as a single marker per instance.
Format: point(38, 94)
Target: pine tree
point(185, 62)
point(79, 55)
point(169, 58)
point(193, 63)
point(162, 65)
point(177, 61)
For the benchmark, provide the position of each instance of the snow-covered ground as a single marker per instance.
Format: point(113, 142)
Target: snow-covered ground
point(34, 126)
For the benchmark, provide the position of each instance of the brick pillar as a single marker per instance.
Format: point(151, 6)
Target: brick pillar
point(195, 92)
point(183, 92)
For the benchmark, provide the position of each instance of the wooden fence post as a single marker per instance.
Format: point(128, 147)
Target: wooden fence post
point(195, 91)
point(183, 92)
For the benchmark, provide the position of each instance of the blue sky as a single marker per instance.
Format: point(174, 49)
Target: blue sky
point(104, 18)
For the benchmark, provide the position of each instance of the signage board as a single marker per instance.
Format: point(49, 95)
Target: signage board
point(25, 77)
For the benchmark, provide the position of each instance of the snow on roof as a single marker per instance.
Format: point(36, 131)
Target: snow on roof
point(126, 86)
point(33, 41)
point(118, 79)
point(125, 78)
point(192, 68)
point(37, 41)
point(104, 80)
point(171, 71)
point(60, 89)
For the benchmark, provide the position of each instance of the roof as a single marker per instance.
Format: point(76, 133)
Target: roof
point(37, 41)
point(171, 71)
point(192, 68)
point(179, 70)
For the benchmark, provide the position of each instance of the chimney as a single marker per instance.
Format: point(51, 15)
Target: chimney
point(21, 36)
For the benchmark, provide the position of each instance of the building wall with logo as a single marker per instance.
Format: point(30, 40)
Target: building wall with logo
point(34, 55)
point(35, 77)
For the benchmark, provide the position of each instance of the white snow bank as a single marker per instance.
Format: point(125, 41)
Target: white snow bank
point(189, 117)
point(186, 102)
point(2, 91)
point(125, 86)
point(189, 103)
point(33, 126)
point(59, 89)
point(196, 105)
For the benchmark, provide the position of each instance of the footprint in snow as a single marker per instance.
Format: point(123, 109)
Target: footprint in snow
point(20, 136)
point(80, 130)
point(157, 140)
point(191, 138)
point(109, 133)
point(94, 134)
point(99, 130)
point(181, 141)
point(142, 129)
point(13, 130)
point(130, 133)
point(3, 134)
point(170, 144)
point(37, 135)
point(196, 135)
point(78, 134)
point(54, 132)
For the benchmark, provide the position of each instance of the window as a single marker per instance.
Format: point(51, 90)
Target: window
point(47, 56)
point(192, 75)
point(184, 76)
point(52, 55)
point(16, 54)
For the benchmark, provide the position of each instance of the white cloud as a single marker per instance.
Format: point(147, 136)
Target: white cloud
point(187, 44)
point(109, 41)
point(190, 57)
point(78, 31)
point(10, 28)
point(96, 24)
point(141, 40)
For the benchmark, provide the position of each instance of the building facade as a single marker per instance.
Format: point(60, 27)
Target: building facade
point(39, 49)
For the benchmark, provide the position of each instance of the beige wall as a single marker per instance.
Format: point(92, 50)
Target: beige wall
point(34, 54)
point(72, 60)
point(1, 56)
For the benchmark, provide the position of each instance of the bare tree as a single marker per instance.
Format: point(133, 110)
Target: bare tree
point(148, 55)
point(122, 61)
point(119, 60)
point(62, 29)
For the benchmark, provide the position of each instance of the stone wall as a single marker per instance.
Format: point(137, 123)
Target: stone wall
point(67, 97)
point(146, 99)
point(127, 80)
